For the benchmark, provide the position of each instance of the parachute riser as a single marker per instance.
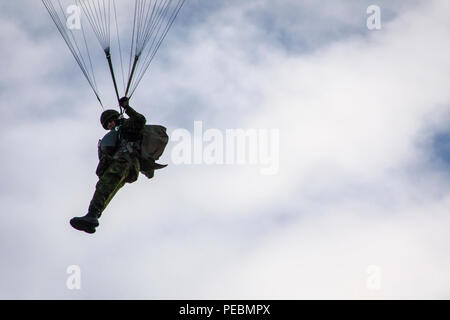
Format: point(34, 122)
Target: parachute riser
point(136, 58)
point(111, 69)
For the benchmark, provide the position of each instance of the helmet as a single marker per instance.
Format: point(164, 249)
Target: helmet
point(108, 115)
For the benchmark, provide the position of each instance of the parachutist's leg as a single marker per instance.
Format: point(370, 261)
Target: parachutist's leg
point(108, 185)
point(119, 186)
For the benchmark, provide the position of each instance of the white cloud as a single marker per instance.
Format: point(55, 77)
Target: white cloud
point(354, 187)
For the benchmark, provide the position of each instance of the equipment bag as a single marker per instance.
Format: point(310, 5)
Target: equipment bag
point(154, 141)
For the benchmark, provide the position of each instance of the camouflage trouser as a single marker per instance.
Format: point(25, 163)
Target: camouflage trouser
point(120, 171)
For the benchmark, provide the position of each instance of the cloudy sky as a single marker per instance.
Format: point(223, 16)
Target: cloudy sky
point(359, 205)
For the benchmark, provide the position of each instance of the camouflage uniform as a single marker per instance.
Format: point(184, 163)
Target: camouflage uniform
point(130, 148)
point(119, 166)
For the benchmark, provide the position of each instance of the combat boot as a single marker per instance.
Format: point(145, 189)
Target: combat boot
point(88, 223)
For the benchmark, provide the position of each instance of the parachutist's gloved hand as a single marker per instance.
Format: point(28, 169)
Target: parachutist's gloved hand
point(124, 102)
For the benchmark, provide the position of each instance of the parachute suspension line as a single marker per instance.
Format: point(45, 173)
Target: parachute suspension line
point(156, 23)
point(107, 23)
point(118, 41)
point(99, 16)
point(140, 48)
point(89, 56)
point(107, 17)
point(92, 68)
point(152, 21)
point(132, 50)
point(152, 30)
point(136, 39)
point(72, 45)
point(140, 6)
point(132, 41)
point(92, 81)
point(158, 37)
point(150, 24)
point(154, 48)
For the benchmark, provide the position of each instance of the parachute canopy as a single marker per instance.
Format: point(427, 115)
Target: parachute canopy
point(129, 34)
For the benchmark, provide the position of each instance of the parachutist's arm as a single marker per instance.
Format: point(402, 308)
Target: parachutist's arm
point(135, 116)
point(131, 129)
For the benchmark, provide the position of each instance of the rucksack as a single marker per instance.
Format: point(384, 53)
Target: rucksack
point(154, 141)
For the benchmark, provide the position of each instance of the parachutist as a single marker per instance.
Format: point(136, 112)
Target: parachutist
point(120, 161)
point(130, 146)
